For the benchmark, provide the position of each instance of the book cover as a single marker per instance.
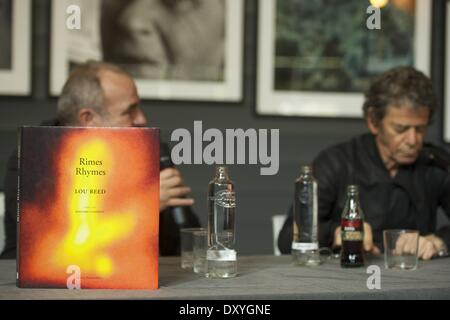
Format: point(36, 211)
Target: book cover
point(88, 208)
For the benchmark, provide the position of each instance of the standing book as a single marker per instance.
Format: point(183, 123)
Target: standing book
point(88, 208)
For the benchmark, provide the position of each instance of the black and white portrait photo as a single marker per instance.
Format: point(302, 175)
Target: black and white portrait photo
point(175, 49)
point(15, 47)
point(5, 34)
point(166, 39)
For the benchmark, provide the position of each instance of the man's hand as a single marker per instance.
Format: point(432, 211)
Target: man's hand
point(429, 246)
point(368, 244)
point(172, 189)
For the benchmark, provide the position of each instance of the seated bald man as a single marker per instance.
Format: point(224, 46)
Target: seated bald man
point(96, 95)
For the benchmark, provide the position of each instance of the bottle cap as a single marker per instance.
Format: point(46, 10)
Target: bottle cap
point(352, 189)
point(222, 172)
point(305, 169)
point(221, 169)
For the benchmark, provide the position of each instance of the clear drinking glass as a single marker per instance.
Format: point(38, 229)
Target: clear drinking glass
point(400, 249)
point(187, 242)
point(200, 246)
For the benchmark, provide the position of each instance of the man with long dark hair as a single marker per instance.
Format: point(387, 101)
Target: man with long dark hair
point(400, 188)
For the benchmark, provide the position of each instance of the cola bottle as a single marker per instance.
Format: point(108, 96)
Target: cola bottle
point(352, 230)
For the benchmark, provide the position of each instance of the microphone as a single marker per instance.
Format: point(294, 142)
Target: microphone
point(165, 161)
point(436, 156)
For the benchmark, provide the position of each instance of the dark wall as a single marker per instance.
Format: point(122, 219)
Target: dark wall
point(259, 197)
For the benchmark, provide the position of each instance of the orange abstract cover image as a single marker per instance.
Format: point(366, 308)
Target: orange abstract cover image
point(88, 204)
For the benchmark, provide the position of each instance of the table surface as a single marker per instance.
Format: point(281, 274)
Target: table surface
point(264, 277)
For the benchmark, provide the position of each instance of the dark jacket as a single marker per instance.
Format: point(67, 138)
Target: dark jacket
point(409, 200)
point(169, 229)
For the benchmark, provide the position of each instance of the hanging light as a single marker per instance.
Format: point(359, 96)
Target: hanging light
point(379, 3)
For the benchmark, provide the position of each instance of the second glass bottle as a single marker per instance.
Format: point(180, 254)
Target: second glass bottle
point(305, 244)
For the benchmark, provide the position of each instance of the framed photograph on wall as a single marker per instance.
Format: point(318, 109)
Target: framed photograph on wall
point(447, 79)
point(316, 58)
point(15, 47)
point(175, 50)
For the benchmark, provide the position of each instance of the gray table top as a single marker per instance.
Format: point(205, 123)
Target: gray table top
point(264, 277)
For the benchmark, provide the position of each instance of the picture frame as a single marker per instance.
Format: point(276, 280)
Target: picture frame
point(317, 103)
point(446, 117)
point(224, 86)
point(15, 47)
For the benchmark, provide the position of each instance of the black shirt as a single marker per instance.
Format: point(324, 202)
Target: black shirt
point(409, 200)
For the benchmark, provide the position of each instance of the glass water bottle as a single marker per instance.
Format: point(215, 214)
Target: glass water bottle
point(305, 244)
point(221, 255)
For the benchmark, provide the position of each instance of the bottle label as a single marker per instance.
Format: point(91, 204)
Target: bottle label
point(353, 236)
point(221, 255)
point(226, 199)
point(351, 225)
point(304, 246)
point(352, 230)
